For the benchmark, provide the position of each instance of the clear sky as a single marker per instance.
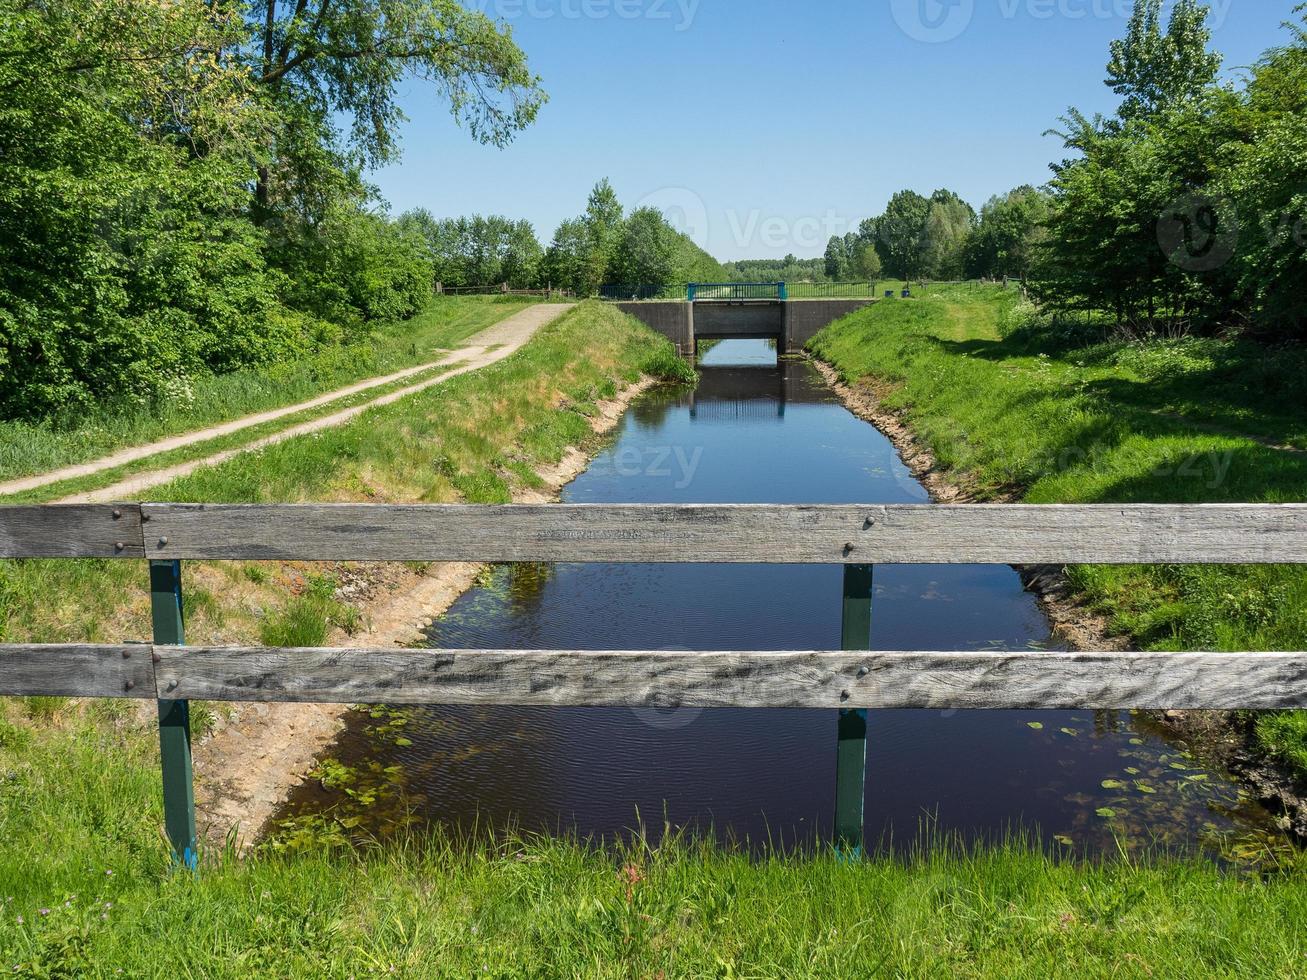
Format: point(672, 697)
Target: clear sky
point(764, 126)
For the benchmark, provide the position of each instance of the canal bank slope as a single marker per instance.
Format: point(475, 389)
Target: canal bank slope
point(987, 400)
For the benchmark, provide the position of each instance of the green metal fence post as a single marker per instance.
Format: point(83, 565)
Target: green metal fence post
point(174, 717)
point(851, 753)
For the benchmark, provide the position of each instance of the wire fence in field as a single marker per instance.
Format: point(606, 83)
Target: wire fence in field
point(503, 290)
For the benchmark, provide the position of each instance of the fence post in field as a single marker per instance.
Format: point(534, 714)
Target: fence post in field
point(851, 752)
point(174, 717)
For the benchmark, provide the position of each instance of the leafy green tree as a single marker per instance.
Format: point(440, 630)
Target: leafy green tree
point(356, 266)
point(126, 262)
point(567, 263)
point(1266, 179)
point(900, 235)
point(835, 261)
point(1012, 227)
point(944, 236)
point(647, 253)
point(319, 60)
point(1152, 70)
point(868, 262)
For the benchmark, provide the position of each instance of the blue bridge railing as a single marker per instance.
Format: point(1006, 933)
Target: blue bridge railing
point(735, 291)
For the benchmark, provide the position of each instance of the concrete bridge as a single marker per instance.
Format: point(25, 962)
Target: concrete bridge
point(740, 310)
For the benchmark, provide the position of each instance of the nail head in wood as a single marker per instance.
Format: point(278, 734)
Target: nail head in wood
point(117, 514)
point(163, 542)
point(129, 685)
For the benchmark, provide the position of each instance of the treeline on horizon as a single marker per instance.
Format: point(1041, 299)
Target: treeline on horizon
point(1186, 210)
point(602, 250)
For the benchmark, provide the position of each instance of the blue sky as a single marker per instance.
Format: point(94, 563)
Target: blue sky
point(764, 126)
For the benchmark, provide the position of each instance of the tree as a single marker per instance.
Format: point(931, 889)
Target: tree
point(1012, 226)
point(1266, 180)
point(567, 263)
point(944, 235)
point(317, 60)
point(835, 261)
point(1151, 70)
point(126, 262)
point(603, 223)
point(899, 234)
point(646, 255)
point(868, 263)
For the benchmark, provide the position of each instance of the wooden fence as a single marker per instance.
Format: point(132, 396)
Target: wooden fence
point(851, 680)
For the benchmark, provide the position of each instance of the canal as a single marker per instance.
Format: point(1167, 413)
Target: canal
point(758, 431)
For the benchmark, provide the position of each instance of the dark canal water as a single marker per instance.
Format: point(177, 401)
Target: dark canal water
point(758, 432)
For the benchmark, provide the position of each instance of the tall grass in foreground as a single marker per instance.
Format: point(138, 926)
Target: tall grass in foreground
point(1011, 404)
point(87, 889)
point(27, 448)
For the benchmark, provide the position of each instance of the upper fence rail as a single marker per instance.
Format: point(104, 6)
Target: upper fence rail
point(850, 534)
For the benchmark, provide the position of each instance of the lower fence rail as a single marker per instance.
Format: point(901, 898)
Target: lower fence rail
point(852, 681)
point(847, 679)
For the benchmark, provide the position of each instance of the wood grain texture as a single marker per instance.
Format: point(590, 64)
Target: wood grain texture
point(80, 670)
point(755, 680)
point(871, 534)
point(71, 531)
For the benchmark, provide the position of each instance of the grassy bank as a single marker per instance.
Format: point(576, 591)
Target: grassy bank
point(27, 448)
point(97, 897)
point(1012, 405)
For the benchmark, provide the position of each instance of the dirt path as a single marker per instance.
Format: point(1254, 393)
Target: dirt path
point(253, 759)
point(485, 348)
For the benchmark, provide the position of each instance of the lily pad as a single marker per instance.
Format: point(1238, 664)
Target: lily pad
point(1073, 732)
point(1132, 770)
point(1106, 812)
point(1136, 741)
point(1036, 725)
point(1143, 787)
point(1112, 784)
point(1064, 840)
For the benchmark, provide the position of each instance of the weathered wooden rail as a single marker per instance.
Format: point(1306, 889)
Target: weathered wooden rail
point(851, 680)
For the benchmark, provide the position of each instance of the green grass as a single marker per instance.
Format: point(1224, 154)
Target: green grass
point(28, 448)
point(549, 907)
point(1012, 405)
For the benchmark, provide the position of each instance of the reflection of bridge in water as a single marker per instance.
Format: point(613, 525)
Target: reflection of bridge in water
point(726, 394)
